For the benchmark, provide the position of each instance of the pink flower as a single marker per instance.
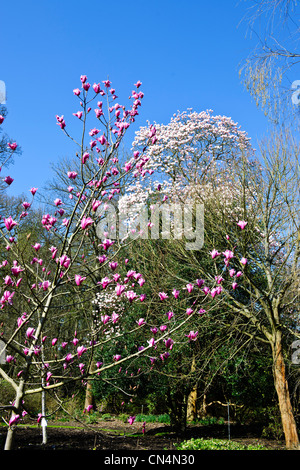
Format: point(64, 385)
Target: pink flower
point(105, 319)
point(1, 118)
point(86, 222)
point(37, 246)
point(76, 91)
point(192, 336)
point(79, 279)
point(131, 295)
point(119, 289)
point(14, 420)
point(244, 261)
point(72, 174)
point(228, 254)
point(170, 315)
point(214, 253)
point(151, 342)
point(9, 223)
point(96, 88)
point(85, 157)
point(117, 357)
point(162, 295)
point(78, 114)
point(175, 293)
point(45, 285)
point(189, 287)
point(107, 243)
point(81, 350)
point(12, 145)
point(30, 333)
point(242, 224)
point(8, 180)
point(169, 343)
point(61, 122)
point(131, 419)
point(33, 191)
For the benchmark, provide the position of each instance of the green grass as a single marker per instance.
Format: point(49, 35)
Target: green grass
point(216, 444)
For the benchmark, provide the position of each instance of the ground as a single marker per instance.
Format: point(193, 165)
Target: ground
point(116, 435)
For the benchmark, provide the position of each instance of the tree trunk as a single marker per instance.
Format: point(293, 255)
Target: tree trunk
point(89, 396)
point(281, 385)
point(11, 430)
point(192, 398)
point(192, 405)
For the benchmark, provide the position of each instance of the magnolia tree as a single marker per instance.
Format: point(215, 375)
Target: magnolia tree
point(44, 287)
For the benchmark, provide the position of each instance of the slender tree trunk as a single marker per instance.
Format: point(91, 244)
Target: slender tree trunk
point(281, 385)
point(89, 396)
point(191, 405)
point(11, 430)
point(192, 398)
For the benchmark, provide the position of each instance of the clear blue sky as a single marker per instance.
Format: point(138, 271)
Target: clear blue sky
point(186, 53)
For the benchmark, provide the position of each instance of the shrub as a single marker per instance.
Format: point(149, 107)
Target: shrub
point(215, 444)
point(165, 418)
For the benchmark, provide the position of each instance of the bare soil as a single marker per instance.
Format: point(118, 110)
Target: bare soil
point(116, 435)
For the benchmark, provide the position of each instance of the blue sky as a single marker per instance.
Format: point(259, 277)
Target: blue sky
point(186, 54)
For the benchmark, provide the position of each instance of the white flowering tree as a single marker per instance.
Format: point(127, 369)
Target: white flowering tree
point(257, 204)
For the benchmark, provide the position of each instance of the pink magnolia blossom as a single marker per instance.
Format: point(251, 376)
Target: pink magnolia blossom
point(131, 295)
point(85, 157)
point(192, 336)
point(86, 222)
point(228, 254)
point(163, 295)
point(8, 180)
point(175, 293)
point(79, 279)
point(81, 350)
point(189, 287)
point(169, 343)
point(242, 224)
point(119, 289)
point(36, 246)
point(14, 419)
point(244, 261)
point(78, 114)
point(12, 145)
point(30, 333)
point(72, 174)
point(214, 253)
point(131, 420)
point(9, 223)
